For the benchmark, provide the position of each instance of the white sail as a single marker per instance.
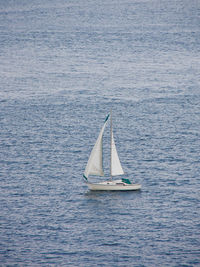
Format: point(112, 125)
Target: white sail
point(116, 168)
point(95, 162)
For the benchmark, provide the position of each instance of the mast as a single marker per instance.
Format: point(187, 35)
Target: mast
point(111, 144)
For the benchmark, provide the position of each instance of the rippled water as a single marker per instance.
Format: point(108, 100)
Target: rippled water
point(63, 66)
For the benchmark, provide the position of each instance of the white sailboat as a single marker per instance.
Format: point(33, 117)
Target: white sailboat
point(95, 165)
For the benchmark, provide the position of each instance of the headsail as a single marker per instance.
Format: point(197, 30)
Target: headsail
point(116, 168)
point(95, 162)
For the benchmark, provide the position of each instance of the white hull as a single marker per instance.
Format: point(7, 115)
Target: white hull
point(116, 185)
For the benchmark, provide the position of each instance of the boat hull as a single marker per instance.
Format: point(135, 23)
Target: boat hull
point(113, 186)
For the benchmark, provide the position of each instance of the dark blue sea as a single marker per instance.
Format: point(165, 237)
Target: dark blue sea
point(64, 65)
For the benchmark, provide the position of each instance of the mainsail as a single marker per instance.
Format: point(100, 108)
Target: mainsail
point(115, 168)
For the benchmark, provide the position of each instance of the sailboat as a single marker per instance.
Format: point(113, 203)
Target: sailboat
point(95, 165)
